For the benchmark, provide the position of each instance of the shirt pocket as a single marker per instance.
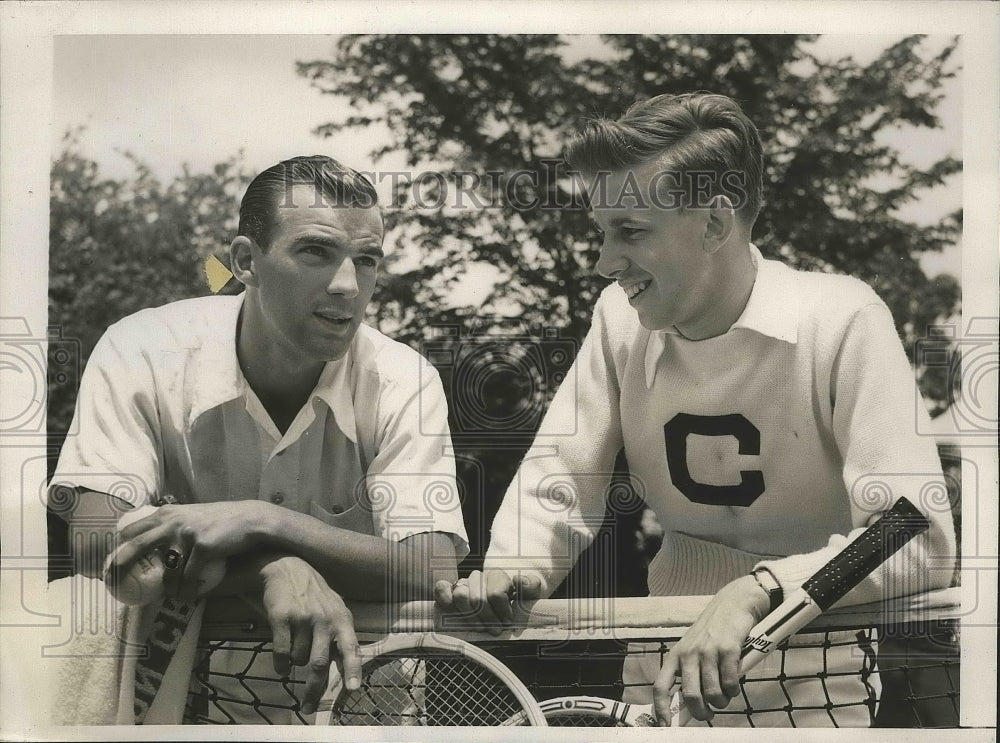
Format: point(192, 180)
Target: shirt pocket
point(357, 518)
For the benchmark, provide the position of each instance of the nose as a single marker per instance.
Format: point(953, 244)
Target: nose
point(611, 262)
point(344, 280)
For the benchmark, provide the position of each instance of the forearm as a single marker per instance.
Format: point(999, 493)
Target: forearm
point(243, 572)
point(883, 459)
point(93, 522)
point(366, 567)
point(924, 564)
point(555, 505)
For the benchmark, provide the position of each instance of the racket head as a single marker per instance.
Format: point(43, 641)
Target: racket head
point(586, 711)
point(418, 679)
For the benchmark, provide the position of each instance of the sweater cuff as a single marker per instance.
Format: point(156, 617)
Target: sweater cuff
point(689, 566)
point(792, 571)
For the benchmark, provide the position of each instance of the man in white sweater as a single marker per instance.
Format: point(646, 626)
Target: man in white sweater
point(766, 414)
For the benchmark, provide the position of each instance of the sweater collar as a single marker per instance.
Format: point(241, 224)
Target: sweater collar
point(772, 310)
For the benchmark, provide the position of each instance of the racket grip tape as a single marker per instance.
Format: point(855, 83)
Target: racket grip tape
point(875, 545)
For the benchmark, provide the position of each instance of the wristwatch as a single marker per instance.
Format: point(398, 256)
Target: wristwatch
point(766, 580)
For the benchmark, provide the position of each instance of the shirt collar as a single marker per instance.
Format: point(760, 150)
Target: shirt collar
point(334, 389)
point(218, 379)
point(773, 307)
point(772, 310)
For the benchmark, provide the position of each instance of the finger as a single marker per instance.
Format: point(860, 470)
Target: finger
point(281, 655)
point(529, 587)
point(181, 581)
point(691, 687)
point(348, 651)
point(729, 674)
point(318, 670)
point(173, 577)
point(130, 550)
point(485, 606)
point(499, 588)
point(710, 687)
point(302, 642)
point(442, 594)
point(133, 529)
point(461, 594)
point(667, 684)
point(189, 585)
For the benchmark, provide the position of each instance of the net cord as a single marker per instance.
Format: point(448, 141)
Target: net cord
point(554, 619)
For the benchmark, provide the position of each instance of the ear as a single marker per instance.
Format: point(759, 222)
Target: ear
point(242, 254)
point(719, 225)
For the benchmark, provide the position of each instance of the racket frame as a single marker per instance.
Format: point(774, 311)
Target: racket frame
point(401, 643)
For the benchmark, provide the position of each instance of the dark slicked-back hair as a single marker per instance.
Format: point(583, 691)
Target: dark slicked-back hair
point(337, 186)
point(690, 133)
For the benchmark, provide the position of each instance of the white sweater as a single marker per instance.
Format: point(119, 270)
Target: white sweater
point(773, 444)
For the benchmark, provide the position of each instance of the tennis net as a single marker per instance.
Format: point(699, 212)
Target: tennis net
point(895, 664)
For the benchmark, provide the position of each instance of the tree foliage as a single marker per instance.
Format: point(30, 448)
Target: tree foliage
point(506, 104)
point(494, 111)
point(117, 246)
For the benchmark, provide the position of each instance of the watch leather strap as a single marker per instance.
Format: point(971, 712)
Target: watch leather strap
point(769, 584)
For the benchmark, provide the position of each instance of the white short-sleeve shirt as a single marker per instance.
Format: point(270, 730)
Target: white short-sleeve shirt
point(164, 407)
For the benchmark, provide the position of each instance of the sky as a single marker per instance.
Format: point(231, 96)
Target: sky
point(200, 99)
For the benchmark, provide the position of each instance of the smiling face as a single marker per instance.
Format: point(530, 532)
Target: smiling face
point(665, 258)
point(308, 290)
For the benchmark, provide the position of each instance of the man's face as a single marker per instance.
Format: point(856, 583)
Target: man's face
point(318, 275)
point(655, 251)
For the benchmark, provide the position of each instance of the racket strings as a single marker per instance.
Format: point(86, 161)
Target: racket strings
point(438, 688)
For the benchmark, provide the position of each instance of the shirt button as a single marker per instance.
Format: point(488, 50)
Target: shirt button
point(278, 498)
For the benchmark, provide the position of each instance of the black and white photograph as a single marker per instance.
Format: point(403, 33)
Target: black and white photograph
point(488, 365)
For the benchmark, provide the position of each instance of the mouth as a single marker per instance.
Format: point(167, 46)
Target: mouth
point(337, 319)
point(634, 290)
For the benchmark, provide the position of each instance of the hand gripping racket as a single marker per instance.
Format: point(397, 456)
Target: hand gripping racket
point(170, 622)
point(429, 679)
point(860, 558)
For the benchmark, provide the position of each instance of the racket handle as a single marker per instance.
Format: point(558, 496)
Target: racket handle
point(875, 545)
point(833, 581)
point(894, 529)
point(679, 715)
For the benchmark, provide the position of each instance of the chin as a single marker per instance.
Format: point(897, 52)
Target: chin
point(654, 323)
point(333, 354)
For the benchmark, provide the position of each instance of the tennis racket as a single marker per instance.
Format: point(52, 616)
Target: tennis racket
point(833, 581)
point(169, 625)
point(427, 679)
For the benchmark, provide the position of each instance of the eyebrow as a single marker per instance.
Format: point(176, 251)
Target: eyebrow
point(619, 221)
point(333, 244)
point(326, 242)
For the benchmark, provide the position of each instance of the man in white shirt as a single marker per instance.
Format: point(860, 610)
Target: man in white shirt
point(767, 415)
point(306, 449)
